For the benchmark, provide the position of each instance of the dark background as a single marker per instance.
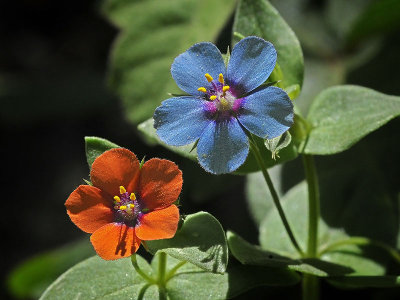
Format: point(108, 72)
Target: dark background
point(53, 92)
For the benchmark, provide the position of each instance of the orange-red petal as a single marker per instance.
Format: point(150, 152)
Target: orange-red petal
point(158, 224)
point(160, 183)
point(114, 241)
point(89, 208)
point(114, 168)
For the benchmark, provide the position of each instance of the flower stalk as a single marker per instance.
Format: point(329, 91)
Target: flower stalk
point(161, 280)
point(313, 205)
point(274, 194)
point(139, 270)
point(310, 284)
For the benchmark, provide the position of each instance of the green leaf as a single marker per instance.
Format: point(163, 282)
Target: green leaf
point(249, 254)
point(30, 278)
point(118, 280)
point(273, 236)
point(201, 240)
point(203, 285)
point(250, 165)
point(95, 278)
point(191, 282)
point(260, 18)
point(153, 34)
point(95, 146)
point(343, 115)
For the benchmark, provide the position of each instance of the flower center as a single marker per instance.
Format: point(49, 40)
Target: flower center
point(126, 205)
point(219, 93)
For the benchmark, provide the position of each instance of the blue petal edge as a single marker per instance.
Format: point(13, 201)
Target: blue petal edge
point(223, 147)
point(181, 120)
point(267, 113)
point(251, 62)
point(189, 68)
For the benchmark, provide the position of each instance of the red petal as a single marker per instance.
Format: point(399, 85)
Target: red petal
point(89, 208)
point(114, 168)
point(158, 224)
point(114, 241)
point(160, 183)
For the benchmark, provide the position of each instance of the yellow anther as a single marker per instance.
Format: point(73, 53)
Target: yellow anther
point(131, 206)
point(221, 78)
point(122, 190)
point(132, 196)
point(122, 207)
point(117, 199)
point(213, 97)
point(209, 78)
point(202, 89)
point(225, 88)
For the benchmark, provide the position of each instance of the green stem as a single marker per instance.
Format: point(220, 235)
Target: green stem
point(172, 272)
point(274, 194)
point(162, 266)
point(313, 205)
point(310, 287)
point(140, 272)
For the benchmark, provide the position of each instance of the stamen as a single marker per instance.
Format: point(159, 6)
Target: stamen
point(122, 190)
point(221, 78)
point(131, 205)
point(122, 207)
point(132, 196)
point(225, 88)
point(202, 89)
point(209, 78)
point(117, 199)
point(213, 97)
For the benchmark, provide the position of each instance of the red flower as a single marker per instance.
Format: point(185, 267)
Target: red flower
point(127, 203)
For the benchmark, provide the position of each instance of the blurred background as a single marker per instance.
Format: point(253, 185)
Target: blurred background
point(55, 89)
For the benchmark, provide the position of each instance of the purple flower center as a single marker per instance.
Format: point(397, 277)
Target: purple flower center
point(126, 207)
point(223, 102)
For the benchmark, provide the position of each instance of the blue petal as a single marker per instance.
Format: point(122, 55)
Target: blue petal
point(252, 61)
point(223, 147)
point(189, 68)
point(180, 121)
point(267, 113)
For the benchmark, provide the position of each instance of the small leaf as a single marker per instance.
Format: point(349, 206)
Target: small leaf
point(343, 115)
point(95, 146)
point(201, 241)
point(260, 18)
point(95, 278)
point(276, 144)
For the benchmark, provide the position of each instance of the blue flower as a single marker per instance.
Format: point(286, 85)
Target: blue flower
point(224, 103)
